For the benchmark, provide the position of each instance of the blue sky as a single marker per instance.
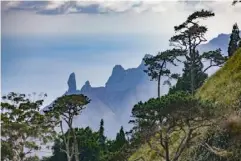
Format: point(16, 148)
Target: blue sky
point(42, 43)
point(43, 64)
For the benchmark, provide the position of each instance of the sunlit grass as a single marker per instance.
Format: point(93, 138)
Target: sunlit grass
point(224, 87)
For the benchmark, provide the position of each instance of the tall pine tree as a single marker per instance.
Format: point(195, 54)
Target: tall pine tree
point(234, 40)
point(102, 138)
point(189, 35)
point(120, 140)
point(67, 107)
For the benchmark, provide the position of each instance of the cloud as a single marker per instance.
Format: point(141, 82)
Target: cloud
point(109, 7)
point(85, 7)
point(109, 17)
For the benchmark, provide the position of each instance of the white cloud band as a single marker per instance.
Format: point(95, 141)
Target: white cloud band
point(93, 7)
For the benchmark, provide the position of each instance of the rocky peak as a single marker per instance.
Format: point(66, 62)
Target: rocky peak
point(86, 87)
point(72, 83)
point(117, 69)
point(117, 75)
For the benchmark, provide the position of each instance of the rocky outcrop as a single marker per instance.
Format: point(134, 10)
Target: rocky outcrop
point(72, 83)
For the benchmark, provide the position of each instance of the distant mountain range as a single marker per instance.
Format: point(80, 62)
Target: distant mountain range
point(114, 101)
point(221, 41)
point(123, 89)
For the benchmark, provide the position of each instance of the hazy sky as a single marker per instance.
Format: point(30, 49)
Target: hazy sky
point(43, 42)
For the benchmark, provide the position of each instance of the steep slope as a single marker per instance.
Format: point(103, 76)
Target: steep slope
point(222, 87)
point(225, 85)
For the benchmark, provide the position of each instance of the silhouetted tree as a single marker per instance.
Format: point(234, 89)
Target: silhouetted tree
point(190, 34)
point(120, 138)
point(102, 137)
point(157, 66)
point(66, 108)
point(234, 40)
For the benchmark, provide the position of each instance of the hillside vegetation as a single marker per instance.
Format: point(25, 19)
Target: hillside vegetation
point(225, 85)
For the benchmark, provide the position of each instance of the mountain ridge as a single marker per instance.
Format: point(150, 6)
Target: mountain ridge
point(123, 89)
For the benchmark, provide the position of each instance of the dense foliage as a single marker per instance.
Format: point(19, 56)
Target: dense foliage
point(66, 108)
point(91, 148)
point(172, 122)
point(22, 126)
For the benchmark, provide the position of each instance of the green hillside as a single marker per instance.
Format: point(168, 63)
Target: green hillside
point(223, 87)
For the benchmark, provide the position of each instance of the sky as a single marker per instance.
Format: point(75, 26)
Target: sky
point(42, 42)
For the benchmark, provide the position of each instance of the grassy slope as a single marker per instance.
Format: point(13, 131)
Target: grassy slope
point(225, 85)
point(222, 87)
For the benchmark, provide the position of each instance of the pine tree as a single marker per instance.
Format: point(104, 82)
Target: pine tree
point(157, 66)
point(189, 35)
point(120, 140)
point(234, 39)
point(183, 83)
point(102, 138)
point(67, 107)
point(170, 124)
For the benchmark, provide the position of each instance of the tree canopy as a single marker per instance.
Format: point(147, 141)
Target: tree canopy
point(189, 35)
point(172, 122)
point(23, 128)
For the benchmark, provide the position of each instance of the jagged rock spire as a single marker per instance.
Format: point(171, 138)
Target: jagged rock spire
point(72, 83)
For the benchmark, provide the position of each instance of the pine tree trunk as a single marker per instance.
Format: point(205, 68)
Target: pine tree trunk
point(167, 150)
point(158, 86)
point(76, 146)
point(192, 60)
point(192, 79)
